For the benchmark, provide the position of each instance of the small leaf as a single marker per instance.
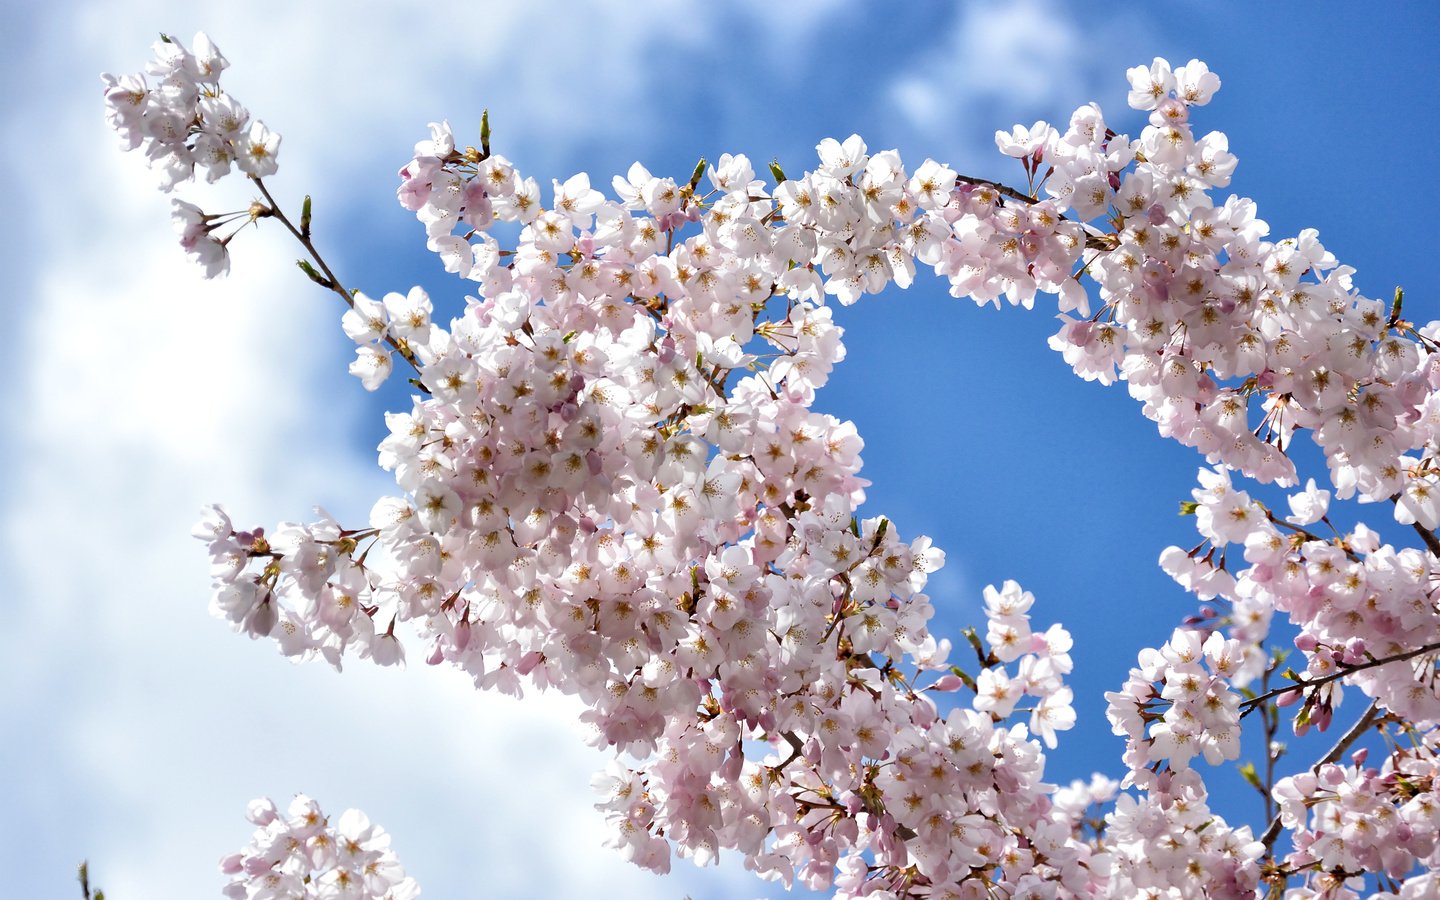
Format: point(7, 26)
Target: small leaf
point(1247, 771)
point(310, 271)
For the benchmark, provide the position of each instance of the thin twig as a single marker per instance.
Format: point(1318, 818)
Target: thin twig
point(1249, 706)
point(1092, 241)
point(1272, 831)
point(332, 282)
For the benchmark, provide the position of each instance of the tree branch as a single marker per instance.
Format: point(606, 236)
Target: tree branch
point(1428, 536)
point(1272, 831)
point(331, 281)
point(1092, 241)
point(1249, 706)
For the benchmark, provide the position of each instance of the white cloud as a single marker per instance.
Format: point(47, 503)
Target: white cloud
point(1017, 57)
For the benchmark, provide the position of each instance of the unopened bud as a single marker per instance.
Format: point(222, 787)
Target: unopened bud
point(314, 275)
point(947, 683)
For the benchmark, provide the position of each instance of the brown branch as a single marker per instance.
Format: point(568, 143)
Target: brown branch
point(1249, 706)
point(331, 281)
point(1431, 541)
point(796, 747)
point(1272, 831)
point(1092, 241)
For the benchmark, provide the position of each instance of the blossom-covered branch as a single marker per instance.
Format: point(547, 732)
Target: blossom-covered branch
point(615, 485)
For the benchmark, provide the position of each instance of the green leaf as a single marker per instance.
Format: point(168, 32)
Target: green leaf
point(1188, 507)
point(1247, 771)
point(777, 172)
point(314, 275)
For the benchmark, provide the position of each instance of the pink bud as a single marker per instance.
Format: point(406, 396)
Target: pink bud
point(529, 661)
point(923, 715)
point(733, 766)
point(1306, 641)
point(947, 683)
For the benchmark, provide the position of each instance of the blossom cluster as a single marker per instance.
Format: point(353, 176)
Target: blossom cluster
point(1044, 660)
point(1356, 602)
point(299, 855)
point(1201, 716)
point(1351, 819)
point(592, 504)
point(613, 484)
point(185, 120)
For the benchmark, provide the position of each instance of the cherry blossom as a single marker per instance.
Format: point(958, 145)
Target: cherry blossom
point(300, 854)
point(612, 482)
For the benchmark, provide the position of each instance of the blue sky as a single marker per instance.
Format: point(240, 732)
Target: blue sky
point(137, 727)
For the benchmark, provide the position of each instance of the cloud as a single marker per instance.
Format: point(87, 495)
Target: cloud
point(1018, 59)
point(142, 392)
